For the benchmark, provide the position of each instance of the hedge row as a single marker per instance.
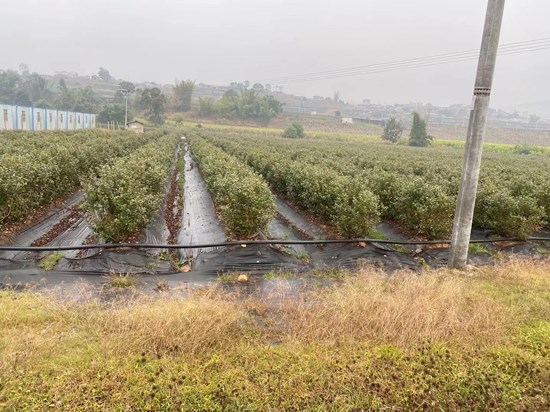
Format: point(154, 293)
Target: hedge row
point(243, 197)
point(416, 187)
point(122, 197)
point(36, 168)
point(341, 200)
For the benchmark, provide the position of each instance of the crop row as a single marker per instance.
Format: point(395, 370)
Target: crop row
point(415, 187)
point(243, 197)
point(341, 200)
point(36, 168)
point(122, 197)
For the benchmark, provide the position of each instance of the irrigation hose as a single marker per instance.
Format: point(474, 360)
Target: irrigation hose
point(16, 248)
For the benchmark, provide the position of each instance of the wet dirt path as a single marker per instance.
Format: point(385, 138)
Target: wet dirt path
point(200, 223)
point(35, 232)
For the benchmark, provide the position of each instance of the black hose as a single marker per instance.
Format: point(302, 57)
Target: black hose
point(252, 242)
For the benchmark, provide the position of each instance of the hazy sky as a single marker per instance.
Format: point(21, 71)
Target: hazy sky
point(219, 41)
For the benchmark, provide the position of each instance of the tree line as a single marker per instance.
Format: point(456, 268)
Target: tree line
point(31, 89)
point(242, 101)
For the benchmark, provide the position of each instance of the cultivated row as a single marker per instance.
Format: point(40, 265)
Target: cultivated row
point(342, 182)
point(243, 198)
point(36, 168)
point(122, 197)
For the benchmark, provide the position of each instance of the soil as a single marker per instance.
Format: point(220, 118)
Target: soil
point(74, 215)
point(9, 232)
point(173, 209)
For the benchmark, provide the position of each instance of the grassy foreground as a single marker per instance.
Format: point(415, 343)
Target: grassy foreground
point(437, 341)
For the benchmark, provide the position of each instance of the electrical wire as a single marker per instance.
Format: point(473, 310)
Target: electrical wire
point(466, 55)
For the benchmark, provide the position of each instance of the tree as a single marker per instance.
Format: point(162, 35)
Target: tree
point(36, 87)
point(258, 86)
point(112, 112)
point(393, 130)
point(183, 94)
point(9, 86)
point(294, 131)
point(64, 100)
point(419, 136)
point(84, 100)
point(336, 97)
point(153, 101)
point(231, 94)
point(207, 107)
point(24, 69)
point(127, 87)
point(104, 74)
point(248, 104)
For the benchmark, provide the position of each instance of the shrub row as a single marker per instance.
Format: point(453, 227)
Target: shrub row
point(122, 197)
point(242, 196)
point(341, 200)
point(416, 187)
point(36, 168)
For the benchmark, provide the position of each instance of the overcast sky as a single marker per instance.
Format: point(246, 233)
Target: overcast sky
point(220, 41)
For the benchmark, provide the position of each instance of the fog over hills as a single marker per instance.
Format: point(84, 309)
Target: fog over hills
point(220, 41)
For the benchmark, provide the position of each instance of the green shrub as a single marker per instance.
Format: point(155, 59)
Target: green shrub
point(36, 168)
point(244, 199)
point(504, 214)
point(343, 201)
point(294, 131)
point(415, 188)
point(122, 197)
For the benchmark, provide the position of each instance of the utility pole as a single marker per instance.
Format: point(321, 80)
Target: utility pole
point(126, 112)
point(464, 214)
point(126, 89)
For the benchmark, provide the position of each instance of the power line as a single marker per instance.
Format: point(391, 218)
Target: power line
point(506, 49)
point(410, 66)
point(472, 51)
point(465, 53)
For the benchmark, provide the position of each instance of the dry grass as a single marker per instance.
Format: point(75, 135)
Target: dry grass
point(402, 310)
point(436, 341)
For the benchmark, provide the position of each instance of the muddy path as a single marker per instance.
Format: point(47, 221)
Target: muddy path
point(43, 228)
point(292, 224)
point(200, 224)
point(157, 232)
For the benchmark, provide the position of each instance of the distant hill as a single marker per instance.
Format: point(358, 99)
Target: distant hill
point(542, 108)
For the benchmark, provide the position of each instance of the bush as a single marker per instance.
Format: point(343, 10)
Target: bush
point(36, 168)
point(415, 188)
point(343, 201)
point(122, 197)
point(294, 131)
point(504, 214)
point(243, 197)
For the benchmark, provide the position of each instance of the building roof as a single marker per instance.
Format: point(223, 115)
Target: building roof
point(134, 122)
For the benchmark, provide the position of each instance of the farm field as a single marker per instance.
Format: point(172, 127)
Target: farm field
point(354, 185)
point(371, 134)
point(331, 128)
point(164, 330)
point(222, 184)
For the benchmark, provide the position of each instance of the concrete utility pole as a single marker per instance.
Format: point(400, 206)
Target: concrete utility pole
point(126, 112)
point(127, 92)
point(462, 225)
